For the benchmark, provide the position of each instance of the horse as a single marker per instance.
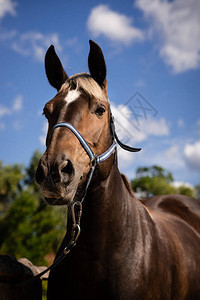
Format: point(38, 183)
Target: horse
point(127, 249)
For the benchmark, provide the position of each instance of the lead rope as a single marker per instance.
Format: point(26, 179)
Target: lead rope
point(76, 229)
point(75, 233)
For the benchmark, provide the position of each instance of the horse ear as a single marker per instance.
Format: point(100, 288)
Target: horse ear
point(97, 65)
point(54, 70)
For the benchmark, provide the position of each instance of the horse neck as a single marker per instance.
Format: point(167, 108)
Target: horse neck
point(112, 213)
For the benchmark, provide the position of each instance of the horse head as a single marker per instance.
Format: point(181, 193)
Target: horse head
point(81, 101)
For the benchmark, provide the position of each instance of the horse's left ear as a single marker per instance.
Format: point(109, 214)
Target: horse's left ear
point(97, 65)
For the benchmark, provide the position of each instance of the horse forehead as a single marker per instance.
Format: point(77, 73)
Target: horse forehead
point(71, 96)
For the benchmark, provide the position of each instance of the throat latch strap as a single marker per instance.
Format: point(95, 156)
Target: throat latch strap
point(125, 147)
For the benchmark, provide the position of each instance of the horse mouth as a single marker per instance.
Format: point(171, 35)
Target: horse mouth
point(64, 197)
point(56, 201)
point(58, 197)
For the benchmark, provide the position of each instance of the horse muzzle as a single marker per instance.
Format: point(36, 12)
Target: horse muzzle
point(58, 179)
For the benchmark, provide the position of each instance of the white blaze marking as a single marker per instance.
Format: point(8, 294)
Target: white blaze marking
point(72, 96)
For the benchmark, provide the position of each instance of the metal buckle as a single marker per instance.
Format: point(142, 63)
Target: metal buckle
point(93, 162)
point(76, 230)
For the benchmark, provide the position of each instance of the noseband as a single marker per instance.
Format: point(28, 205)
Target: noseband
point(93, 158)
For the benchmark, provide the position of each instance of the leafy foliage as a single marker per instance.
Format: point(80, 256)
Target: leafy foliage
point(197, 187)
point(155, 180)
point(29, 228)
point(155, 172)
point(10, 178)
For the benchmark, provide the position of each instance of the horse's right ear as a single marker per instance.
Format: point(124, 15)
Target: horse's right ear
point(97, 65)
point(54, 70)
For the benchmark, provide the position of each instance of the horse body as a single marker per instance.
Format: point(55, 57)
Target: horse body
point(127, 249)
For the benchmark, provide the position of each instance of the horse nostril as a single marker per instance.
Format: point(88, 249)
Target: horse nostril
point(40, 173)
point(67, 168)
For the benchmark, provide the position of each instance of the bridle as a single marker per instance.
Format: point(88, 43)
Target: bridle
point(94, 161)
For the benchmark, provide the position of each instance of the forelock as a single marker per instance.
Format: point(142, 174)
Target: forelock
point(85, 82)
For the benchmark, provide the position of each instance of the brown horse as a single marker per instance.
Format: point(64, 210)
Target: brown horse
point(126, 249)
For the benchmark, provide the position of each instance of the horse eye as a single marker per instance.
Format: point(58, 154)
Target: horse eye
point(46, 112)
point(100, 111)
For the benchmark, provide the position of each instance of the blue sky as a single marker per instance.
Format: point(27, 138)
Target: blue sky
point(152, 51)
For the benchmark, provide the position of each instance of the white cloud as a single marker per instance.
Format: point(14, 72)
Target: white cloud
point(132, 133)
point(139, 83)
point(7, 35)
point(7, 7)
point(32, 43)
point(35, 44)
point(115, 26)
point(18, 103)
point(125, 159)
point(172, 158)
point(180, 123)
point(42, 137)
point(198, 123)
point(137, 127)
point(2, 125)
point(177, 184)
point(17, 125)
point(192, 155)
point(155, 127)
point(4, 111)
point(172, 152)
point(177, 23)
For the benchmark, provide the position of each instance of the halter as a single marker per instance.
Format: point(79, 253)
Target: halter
point(100, 158)
point(94, 161)
point(93, 158)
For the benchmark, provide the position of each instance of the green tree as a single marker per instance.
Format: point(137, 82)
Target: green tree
point(31, 169)
point(29, 227)
point(10, 184)
point(154, 171)
point(29, 231)
point(197, 188)
point(156, 180)
point(186, 190)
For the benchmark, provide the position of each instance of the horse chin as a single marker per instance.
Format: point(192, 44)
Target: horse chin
point(64, 195)
point(56, 201)
point(59, 199)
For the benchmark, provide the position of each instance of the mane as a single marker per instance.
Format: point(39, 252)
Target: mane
point(85, 82)
point(128, 185)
